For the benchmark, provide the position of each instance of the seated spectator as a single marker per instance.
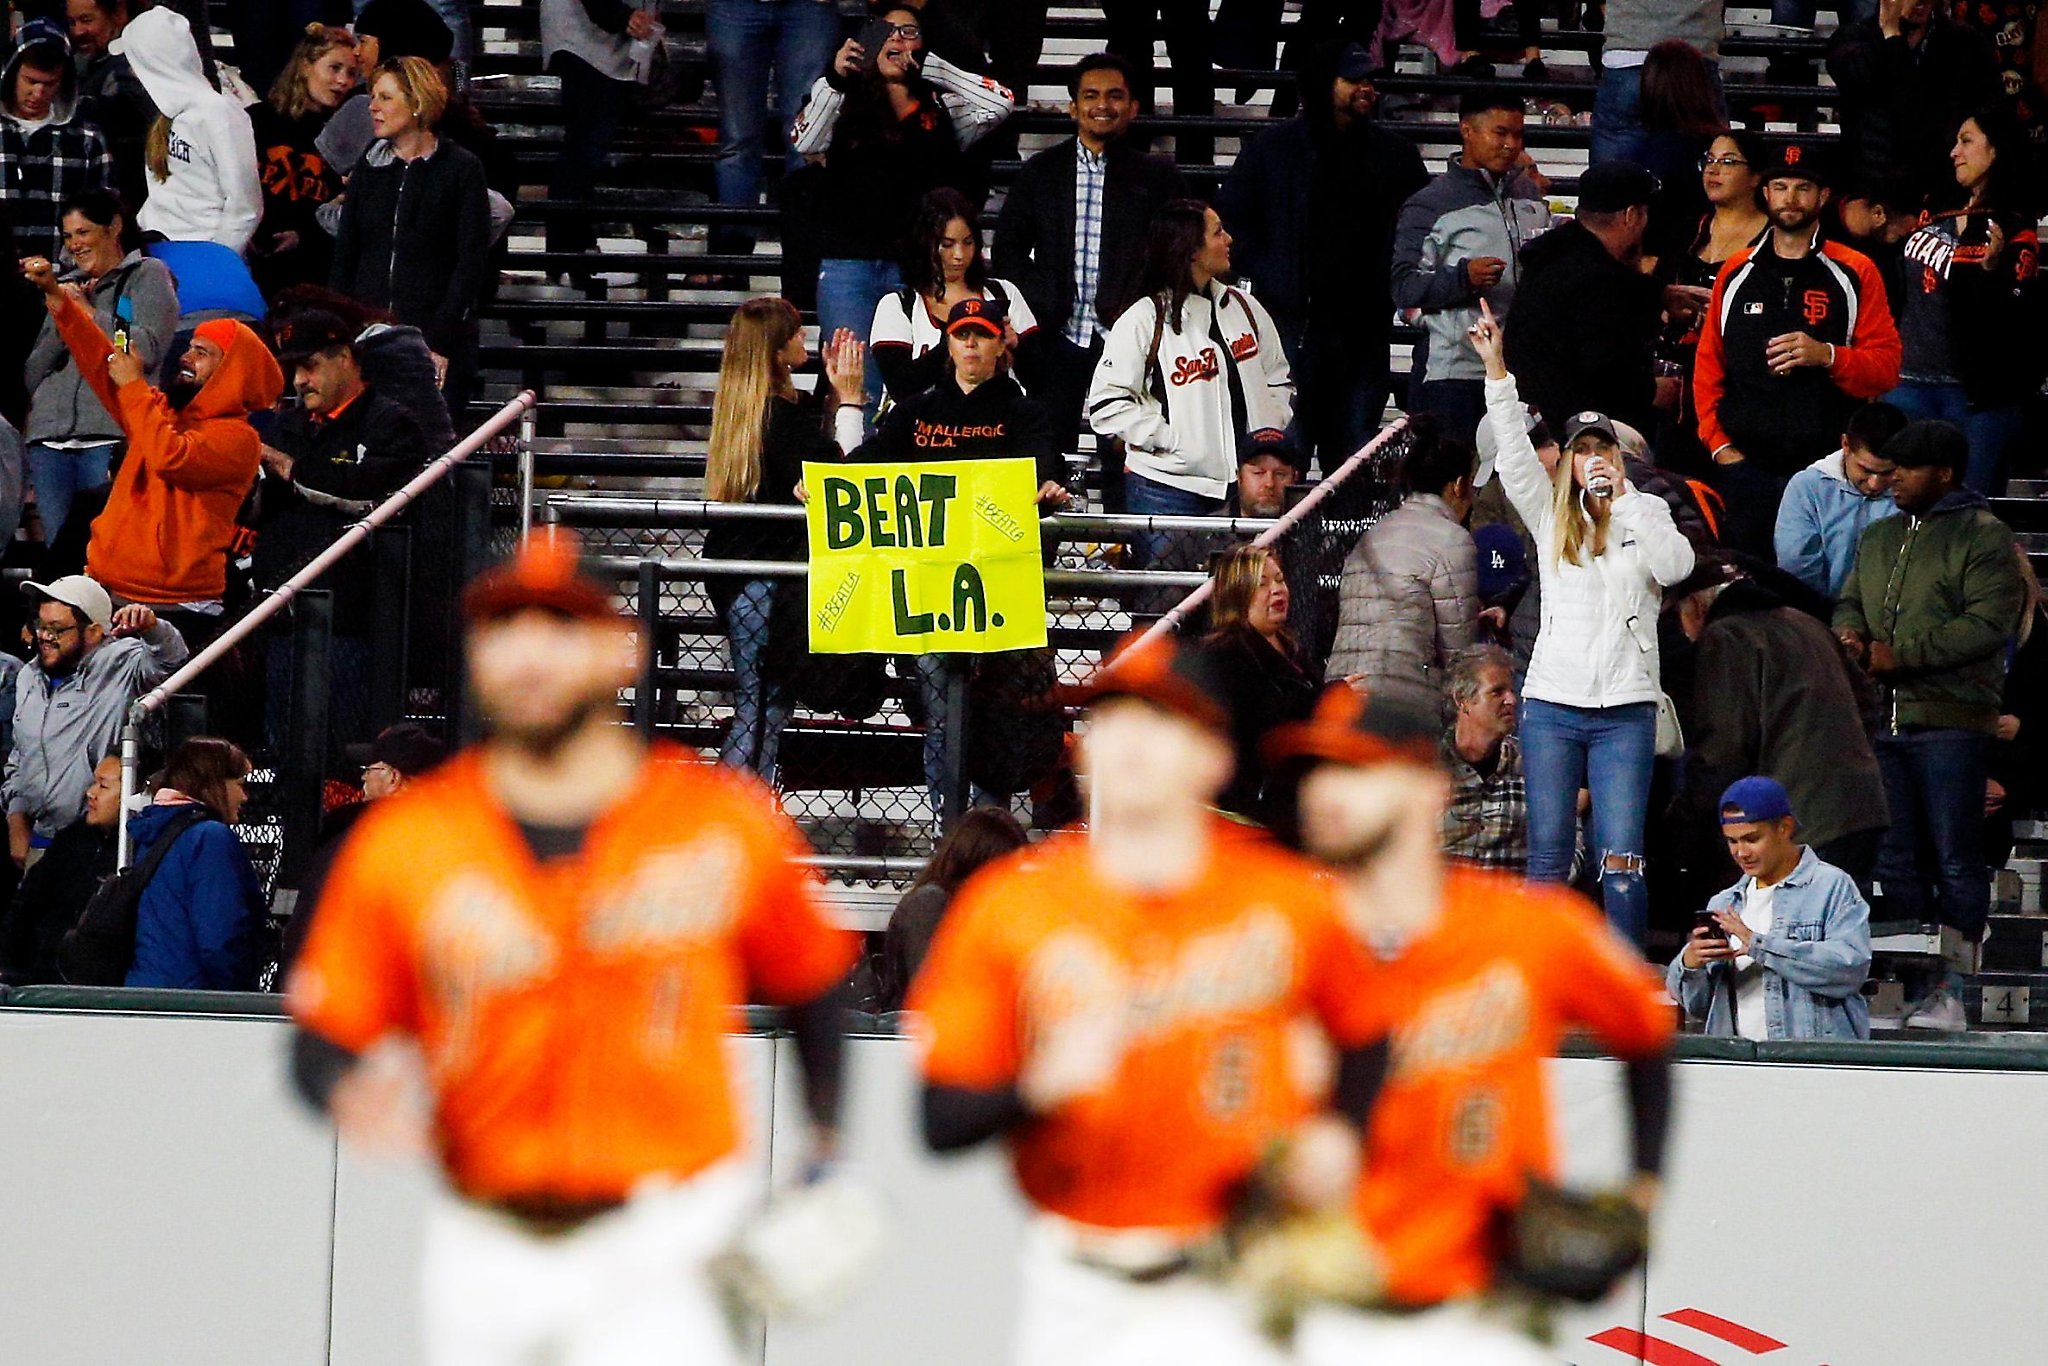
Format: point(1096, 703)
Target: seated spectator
point(1189, 371)
point(1930, 609)
point(1787, 949)
point(1408, 597)
point(1267, 468)
point(1457, 244)
point(889, 126)
point(1266, 680)
point(943, 264)
point(326, 464)
point(1877, 214)
point(1486, 824)
point(983, 835)
point(291, 247)
point(191, 459)
point(53, 892)
point(1829, 503)
point(70, 701)
point(1311, 206)
point(47, 152)
point(72, 437)
point(1072, 235)
point(195, 927)
point(1796, 339)
point(1604, 551)
point(395, 357)
point(1973, 354)
point(756, 48)
point(201, 151)
point(390, 763)
point(1584, 329)
point(1771, 694)
point(418, 255)
point(587, 45)
point(109, 96)
point(1907, 78)
point(976, 413)
point(763, 431)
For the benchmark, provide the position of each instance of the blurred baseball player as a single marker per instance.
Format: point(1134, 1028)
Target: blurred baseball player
point(1475, 976)
point(564, 919)
point(1127, 1009)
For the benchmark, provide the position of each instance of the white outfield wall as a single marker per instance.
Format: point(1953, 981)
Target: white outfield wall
point(167, 1202)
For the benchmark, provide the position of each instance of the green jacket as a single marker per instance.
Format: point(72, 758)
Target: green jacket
point(1944, 591)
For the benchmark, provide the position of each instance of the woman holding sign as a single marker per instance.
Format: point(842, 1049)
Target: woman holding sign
point(762, 431)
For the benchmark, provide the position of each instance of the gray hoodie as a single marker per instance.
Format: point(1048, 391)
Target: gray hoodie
point(61, 732)
point(138, 297)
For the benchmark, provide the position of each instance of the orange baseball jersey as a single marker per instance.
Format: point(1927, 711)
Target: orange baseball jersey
point(1221, 981)
point(1470, 1011)
point(572, 1013)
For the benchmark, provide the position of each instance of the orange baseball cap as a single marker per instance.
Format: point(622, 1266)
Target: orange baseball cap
point(545, 574)
point(1163, 672)
point(1347, 728)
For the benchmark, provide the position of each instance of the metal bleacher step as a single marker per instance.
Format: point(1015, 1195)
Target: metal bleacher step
point(2018, 943)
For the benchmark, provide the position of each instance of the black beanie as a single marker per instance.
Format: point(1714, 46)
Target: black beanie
point(1921, 444)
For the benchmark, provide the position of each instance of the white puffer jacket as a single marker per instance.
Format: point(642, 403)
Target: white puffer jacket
point(1597, 646)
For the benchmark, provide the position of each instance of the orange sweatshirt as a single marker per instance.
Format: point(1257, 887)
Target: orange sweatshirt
point(164, 535)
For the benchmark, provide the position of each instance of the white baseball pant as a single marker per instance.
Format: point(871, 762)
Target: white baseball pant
point(1455, 1334)
point(629, 1288)
point(1072, 1314)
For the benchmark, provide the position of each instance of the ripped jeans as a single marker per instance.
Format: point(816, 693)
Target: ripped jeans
point(1610, 750)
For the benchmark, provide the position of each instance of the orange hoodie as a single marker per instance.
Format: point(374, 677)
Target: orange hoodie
point(164, 535)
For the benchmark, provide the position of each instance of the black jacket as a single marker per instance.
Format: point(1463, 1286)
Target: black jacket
point(1771, 694)
point(296, 181)
point(1265, 689)
point(795, 433)
point(413, 240)
point(111, 98)
point(51, 897)
point(994, 422)
point(1034, 242)
point(341, 469)
point(1901, 105)
point(1584, 330)
point(1313, 210)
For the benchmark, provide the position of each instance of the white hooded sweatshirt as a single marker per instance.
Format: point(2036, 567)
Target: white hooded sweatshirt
point(213, 193)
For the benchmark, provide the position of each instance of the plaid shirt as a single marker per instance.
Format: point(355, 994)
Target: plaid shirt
point(40, 169)
point(1091, 170)
point(1487, 822)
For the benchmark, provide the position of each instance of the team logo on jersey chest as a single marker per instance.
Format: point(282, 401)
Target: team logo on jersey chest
point(673, 897)
point(1466, 1025)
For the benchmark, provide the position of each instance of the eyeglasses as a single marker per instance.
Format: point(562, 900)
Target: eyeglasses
point(911, 31)
point(1710, 161)
point(53, 634)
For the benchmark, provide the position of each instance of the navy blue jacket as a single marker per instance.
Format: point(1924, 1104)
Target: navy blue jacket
point(196, 925)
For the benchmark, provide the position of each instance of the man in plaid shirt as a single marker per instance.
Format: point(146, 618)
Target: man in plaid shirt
point(1487, 822)
point(47, 154)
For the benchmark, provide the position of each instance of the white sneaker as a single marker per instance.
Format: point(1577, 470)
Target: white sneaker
point(1940, 1011)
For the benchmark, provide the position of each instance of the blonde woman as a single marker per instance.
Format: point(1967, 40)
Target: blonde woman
point(416, 224)
point(290, 247)
point(1257, 662)
point(1604, 551)
point(763, 431)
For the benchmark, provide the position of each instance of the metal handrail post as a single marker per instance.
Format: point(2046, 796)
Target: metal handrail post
point(528, 426)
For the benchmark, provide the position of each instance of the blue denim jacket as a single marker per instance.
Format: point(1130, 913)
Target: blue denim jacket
point(1816, 957)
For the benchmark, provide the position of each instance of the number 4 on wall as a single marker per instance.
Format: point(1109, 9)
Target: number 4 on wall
point(2007, 1005)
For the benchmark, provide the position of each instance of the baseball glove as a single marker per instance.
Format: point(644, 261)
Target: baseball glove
point(1289, 1264)
point(808, 1251)
point(1573, 1246)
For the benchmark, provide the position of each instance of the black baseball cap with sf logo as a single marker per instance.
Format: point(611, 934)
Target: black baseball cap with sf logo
point(989, 315)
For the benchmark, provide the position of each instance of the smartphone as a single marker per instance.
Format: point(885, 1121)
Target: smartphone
point(873, 34)
point(1704, 920)
point(121, 339)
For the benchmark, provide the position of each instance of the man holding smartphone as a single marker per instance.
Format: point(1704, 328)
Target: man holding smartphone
point(1784, 953)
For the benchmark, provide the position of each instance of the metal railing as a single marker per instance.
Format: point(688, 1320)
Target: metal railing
point(277, 599)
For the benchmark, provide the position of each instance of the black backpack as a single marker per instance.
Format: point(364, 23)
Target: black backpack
point(100, 948)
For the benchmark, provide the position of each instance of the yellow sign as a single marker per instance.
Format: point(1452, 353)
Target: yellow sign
point(937, 558)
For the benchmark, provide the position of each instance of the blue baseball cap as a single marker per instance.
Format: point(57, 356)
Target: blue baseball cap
point(1754, 800)
point(1503, 567)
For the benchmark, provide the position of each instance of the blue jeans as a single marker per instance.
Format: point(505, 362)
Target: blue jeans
point(750, 39)
point(1934, 784)
point(1991, 431)
point(934, 675)
point(1618, 131)
point(848, 291)
point(1147, 498)
point(760, 704)
point(59, 476)
point(1610, 750)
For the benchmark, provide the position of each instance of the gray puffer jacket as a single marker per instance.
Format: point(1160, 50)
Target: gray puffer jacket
point(137, 297)
point(1407, 600)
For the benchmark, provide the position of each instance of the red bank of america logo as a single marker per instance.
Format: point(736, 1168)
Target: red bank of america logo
point(1657, 1351)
